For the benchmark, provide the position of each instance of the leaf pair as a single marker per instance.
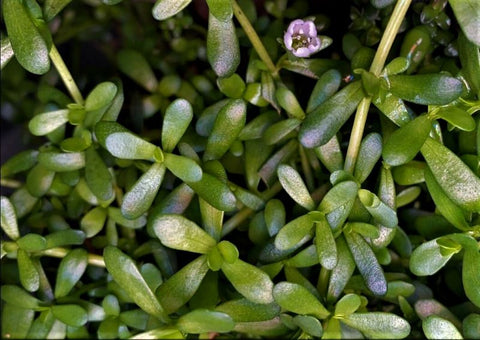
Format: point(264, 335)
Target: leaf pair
point(177, 232)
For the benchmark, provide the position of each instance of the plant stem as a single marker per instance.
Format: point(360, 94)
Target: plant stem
point(10, 183)
point(93, 259)
point(254, 38)
point(377, 65)
point(65, 75)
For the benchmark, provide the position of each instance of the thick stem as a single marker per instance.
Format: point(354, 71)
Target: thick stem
point(377, 65)
point(254, 39)
point(93, 259)
point(65, 75)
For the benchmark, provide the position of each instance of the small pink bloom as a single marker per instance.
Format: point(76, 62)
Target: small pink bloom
point(301, 38)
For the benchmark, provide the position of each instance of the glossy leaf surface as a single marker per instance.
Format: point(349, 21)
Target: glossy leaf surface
point(127, 275)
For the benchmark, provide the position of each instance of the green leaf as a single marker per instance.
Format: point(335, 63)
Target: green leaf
point(6, 51)
point(228, 124)
point(229, 251)
point(126, 274)
point(452, 212)
point(232, 86)
point(110, 305)
point(324, 122)
point(122, 143)
point(223, 51)
point(471, 326)
point(29, 276)
point(410, 173)
point(215, 192)
point(380, 212)
point(116, 215)
point(22, 161)
point(52, 7)
point(250, 281)
point(182, 167)
point(295, 232)
point(246, 197)
point(164, 9)
point(164, 332)
point(338, 202)
point(456, 117)
point(72, 315)
point(436, 327)
point(297, 299)
point(44, 123)
point(134, 65)
point(347, 305)
point(152, 275)
point(425, 89)
point(135, 318)
point(467, 13)
point(287, 100)
point(469, 54)
point(65, 237)
point(70, 271)
point(177, 232)
point(141, 195)
point(274, 216)
point(9, 218)
point(330, 154)
point(182, 285)
point(326, 86)
point(101, 96)
point(309, 325)
point(325, 243)
point(281, 131)
point(379, 325)
point(221, 9)
point(32, 242)
point(16, 296)
point(243, 310)
point(256, 127)
point(458, 181)
point(426, 307)
point(97, 176)
point(178, 116)
point(427, 259)
point(39, 180)
point(306, 258)
point(16, 321)
point(22, 202)
point(367, 264)
point(28, 44)
point(204, 320)
point(293, 184)
point(402, 145)
point(60, 162)
point(471, 274)
point(368, 155)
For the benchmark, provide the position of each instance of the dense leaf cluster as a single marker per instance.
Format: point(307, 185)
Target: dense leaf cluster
point(201, 180)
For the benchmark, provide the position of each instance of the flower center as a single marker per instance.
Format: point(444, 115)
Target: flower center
point(300, 40)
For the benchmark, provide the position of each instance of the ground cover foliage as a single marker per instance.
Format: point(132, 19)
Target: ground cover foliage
point(241, 169)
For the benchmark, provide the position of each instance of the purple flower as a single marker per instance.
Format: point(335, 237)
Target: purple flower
point(301, 38)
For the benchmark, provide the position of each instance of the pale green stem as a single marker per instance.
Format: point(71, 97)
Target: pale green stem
point(254, 38)
point(10, 183)
point(65, 75)
point(93, 259)
point(376, 68)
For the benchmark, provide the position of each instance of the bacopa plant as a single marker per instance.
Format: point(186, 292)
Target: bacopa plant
point(240, 169)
